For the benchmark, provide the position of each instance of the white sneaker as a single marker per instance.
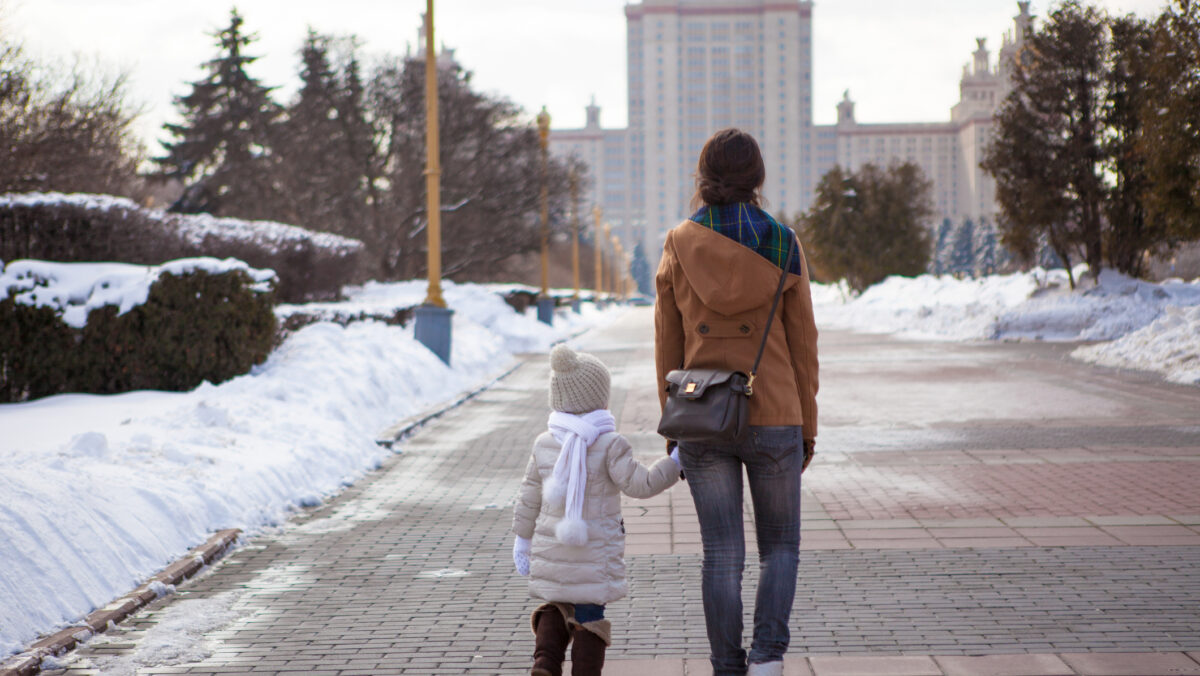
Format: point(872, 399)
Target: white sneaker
point(766, 669)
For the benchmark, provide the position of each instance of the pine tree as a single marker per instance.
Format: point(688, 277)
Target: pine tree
point(640, 269)
point(962, 249)
point(869, 225)
point(223, 148)
point(1129, 234)
point(326, 150)
point(1047, 155)
point(1170, 142)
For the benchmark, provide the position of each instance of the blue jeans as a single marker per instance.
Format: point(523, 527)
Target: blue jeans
point(772, 457)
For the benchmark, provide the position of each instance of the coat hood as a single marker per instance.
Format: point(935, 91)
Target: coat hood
point(729, 277)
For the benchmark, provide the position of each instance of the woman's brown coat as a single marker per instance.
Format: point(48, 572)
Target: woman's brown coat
point(714, 296)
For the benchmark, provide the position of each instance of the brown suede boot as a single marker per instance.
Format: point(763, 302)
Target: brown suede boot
point(587, 652)
point(551, 637)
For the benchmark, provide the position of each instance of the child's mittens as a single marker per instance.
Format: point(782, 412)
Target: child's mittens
point(675, 457)
point(521, 554)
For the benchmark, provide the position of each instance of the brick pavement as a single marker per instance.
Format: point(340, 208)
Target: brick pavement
point(919, 556)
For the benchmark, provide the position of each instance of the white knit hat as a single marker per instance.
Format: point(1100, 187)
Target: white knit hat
point(579, 382)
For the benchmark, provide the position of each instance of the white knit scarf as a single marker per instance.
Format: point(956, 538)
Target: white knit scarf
point(566, 485)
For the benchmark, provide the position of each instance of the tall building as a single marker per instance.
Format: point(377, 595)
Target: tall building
point(949, 152)
point(696, 66)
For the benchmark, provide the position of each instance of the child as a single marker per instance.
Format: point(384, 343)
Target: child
point(570, 539)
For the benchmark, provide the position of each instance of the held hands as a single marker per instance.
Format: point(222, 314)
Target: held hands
point(673, 453)
point(521, 555)
point(810, 449)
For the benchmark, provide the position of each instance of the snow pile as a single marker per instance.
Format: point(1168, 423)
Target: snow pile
point(1035, 305)
point(75, 289)
point(1170, 345)
point(100, 492)
point(1153, 327)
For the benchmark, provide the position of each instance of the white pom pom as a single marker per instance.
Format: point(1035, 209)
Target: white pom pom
point(554, 492)
point(571, 532)
point(563, 359)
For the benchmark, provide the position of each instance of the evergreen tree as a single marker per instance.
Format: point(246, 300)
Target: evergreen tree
point(1047, 155)
point(1170, 139)
point(941, 253)
point(325, 147)
point(962, 249)
point(640, 269)
point(1129, 234)
point(222, 149)
point(869, 225)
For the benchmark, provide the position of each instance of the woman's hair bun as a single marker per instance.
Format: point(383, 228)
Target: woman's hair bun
point(563, 359)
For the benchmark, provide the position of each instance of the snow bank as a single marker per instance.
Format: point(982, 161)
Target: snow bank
point(100, 492)
point(1155, 326)
point(1170, 345)
point(1035, 305)
point(75, 289)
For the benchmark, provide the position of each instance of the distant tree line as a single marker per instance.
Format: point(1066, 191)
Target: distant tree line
point(347, 155)
point(1096, 152)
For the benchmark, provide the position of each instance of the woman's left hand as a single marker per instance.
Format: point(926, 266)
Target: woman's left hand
point(810, 449)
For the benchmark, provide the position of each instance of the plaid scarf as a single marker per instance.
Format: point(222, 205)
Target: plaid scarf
point(750, 226)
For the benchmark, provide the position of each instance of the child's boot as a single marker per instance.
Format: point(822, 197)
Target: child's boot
point(587, 653)
point(551, 637)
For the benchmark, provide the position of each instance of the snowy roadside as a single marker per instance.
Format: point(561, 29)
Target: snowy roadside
point(1147, 326)
point(100, 492)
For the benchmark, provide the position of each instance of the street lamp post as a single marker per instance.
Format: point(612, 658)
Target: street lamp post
point(545, 304)
point(575, 238)
point(433, 318)
point(606, 260)
point(597, 212)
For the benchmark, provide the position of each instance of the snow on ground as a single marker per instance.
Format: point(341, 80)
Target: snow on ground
point(1155, 326)
point(97, 493)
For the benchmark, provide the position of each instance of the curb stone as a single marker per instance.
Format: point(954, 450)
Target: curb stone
point(66, 639)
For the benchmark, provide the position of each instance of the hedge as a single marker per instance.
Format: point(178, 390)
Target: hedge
point(194, 327)
point(73, 228)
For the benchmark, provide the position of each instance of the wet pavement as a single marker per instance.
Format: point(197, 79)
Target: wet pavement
point(992, 508)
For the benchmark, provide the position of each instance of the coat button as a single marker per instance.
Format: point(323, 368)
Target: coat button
point(744, 329)
point(703, 329)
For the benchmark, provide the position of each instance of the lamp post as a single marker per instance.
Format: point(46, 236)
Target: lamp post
point(545, 303)
point(597, 212)
point(605, 260)
point(433, 318)
point(575, 238)
point(618, 274)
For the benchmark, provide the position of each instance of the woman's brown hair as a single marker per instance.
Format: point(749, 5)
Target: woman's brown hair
point(730, 170)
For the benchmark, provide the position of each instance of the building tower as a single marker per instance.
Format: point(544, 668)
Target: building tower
point(697, 66)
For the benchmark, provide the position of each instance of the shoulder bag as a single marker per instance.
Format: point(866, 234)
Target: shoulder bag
point(712, 404)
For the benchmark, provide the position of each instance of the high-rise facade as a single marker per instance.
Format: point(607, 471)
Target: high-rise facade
point(696, 66)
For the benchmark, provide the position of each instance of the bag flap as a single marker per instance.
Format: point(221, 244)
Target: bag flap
point(691, 383)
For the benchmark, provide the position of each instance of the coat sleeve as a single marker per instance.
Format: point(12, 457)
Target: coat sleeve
point(802, 345)
point(635, 479)
point(529, 501)
point(668, 323)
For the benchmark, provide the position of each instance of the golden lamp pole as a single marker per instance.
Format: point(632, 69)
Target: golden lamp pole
point(433, 170)
point(545, 302)
point(618, 273)
point(606, 270)
point(597, 212)
point(575, 237)
point(433, 319)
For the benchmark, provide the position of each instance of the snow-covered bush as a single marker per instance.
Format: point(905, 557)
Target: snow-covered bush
point(106, 328)
point(72, 228)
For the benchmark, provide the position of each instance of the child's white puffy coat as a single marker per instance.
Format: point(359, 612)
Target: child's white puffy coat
point(595, 572)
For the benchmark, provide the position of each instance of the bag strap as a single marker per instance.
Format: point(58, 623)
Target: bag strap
point(787, 263)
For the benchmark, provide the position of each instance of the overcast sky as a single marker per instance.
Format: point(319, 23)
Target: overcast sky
point(900, 60)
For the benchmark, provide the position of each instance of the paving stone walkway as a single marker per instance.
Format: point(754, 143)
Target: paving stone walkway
point(1061, 554)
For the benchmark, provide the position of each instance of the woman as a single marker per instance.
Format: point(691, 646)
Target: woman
point(716, 281)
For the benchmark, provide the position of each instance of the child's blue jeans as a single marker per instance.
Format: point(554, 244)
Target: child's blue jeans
point(588, 612)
